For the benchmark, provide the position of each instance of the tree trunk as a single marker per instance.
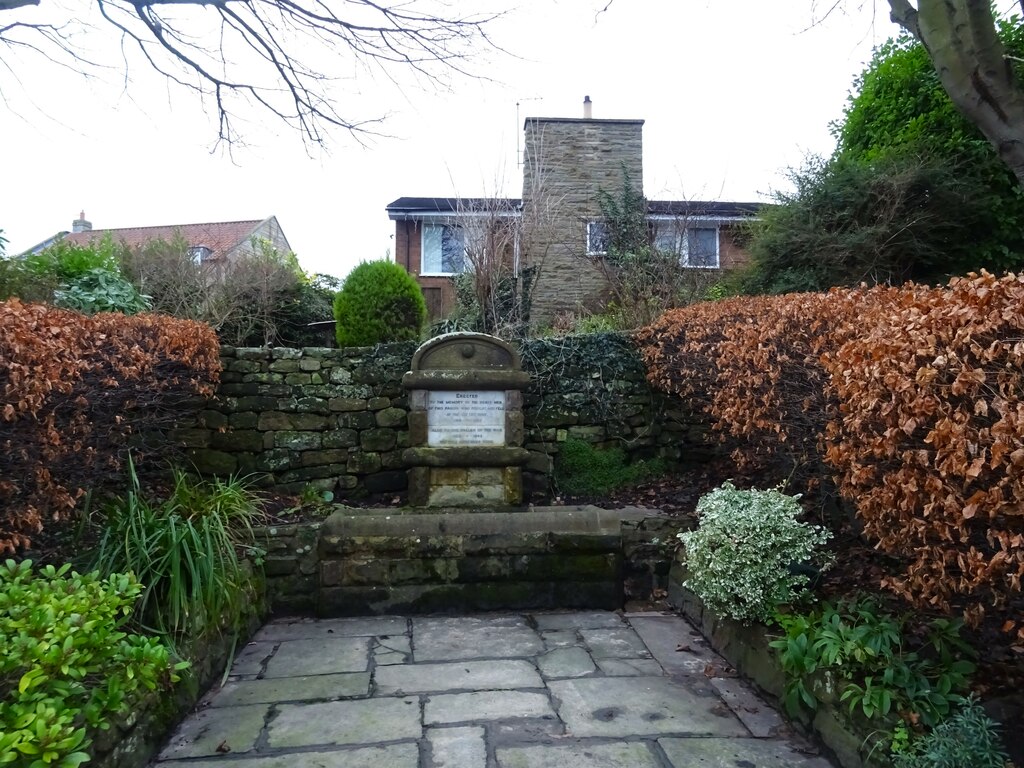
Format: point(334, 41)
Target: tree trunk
point(961, 40)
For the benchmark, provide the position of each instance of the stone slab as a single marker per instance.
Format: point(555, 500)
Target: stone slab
point(462, 676)
point(566, 662)
point(622, 755)
point(211, 732)
point(560, 638)
point(640, 706)
point(760, 719)
point(457, 748)
point(485, 705)
point(474, 638)
point(392, 649)
point(729, 753)
point(281, 689)
point(345, 722)
point(392, 756)
point(309, 629)
point(629, 667)
point(578, 620)
point(251, 659)
point(664, 636)
point(297, 658)
point(619, 643)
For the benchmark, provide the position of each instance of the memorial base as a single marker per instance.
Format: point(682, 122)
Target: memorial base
point(469, 487)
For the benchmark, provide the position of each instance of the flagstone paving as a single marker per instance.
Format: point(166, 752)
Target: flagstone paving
point(542, 690)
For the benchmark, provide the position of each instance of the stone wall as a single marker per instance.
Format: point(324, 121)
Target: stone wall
point(336, 419)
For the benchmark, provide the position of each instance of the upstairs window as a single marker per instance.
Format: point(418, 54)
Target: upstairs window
point(444, 250)
point(200, 254)
point(597, 238)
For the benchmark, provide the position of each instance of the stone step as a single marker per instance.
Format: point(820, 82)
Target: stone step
point(384, 561)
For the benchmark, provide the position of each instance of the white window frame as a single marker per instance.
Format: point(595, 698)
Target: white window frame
point(433, 226)
point(592, 227)
point(681, 242)
point(685, 255)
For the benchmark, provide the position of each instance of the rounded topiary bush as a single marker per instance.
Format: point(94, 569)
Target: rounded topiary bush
point(745, 556)
point(379, 302)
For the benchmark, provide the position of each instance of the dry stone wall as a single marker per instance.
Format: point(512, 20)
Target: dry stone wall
point(337, 419)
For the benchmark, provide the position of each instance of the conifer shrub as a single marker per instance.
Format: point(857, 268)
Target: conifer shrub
point(380, 302)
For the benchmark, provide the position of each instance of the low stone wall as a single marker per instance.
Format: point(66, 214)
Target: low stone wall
point(133, 740)
point(362, 561)
point(745, 646)
point(337, 419)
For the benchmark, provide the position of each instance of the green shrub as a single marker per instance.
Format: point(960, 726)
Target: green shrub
point(379, 302)
point(100, 290)
point(864, 650)
point(65, 261)
point(67, 666)
point(185, 550)
point(968, 739)
point(580, 468)
point(743, 559)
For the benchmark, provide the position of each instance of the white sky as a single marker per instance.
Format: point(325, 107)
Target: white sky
point(732, 92)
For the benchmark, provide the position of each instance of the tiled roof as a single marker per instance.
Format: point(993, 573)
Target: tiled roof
point(219, 236)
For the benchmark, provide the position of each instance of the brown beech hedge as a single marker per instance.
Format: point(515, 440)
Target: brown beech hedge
point(77, 391)
point(912, 398)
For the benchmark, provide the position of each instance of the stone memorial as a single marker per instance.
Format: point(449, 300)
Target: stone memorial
point(465, 423)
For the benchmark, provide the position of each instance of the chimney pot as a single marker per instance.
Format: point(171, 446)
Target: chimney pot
point(588, 112)
point(80, 224)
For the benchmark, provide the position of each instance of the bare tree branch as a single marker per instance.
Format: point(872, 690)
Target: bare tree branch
point(262, 52)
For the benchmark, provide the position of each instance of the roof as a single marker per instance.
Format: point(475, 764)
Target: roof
point(717, 208)
point(405, 207)
point(219, 236)
point(413, 207)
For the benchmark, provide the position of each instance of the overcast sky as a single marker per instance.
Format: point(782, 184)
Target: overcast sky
point(732, 91)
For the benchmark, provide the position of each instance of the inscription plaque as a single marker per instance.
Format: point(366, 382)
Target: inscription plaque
point(465, 418)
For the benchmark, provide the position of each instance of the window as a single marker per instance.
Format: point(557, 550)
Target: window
point(667, 237)
point(597, 238)
point(444, 250)
point(696, 246)
point(200, 254)
point(701, 248)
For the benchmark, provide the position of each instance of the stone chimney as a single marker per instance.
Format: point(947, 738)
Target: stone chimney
point(588, 108)
point(80, 224)
point(566, 163)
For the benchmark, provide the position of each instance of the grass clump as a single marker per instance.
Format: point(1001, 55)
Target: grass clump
point(582, 469)
point(185, 549)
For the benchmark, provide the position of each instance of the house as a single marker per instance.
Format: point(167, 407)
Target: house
point(214, 243)
point(556, 226)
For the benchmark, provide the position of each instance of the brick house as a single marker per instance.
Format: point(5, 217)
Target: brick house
point(213, 243)
point(557, 222)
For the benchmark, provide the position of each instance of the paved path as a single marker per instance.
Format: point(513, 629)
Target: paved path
point(543, 690)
